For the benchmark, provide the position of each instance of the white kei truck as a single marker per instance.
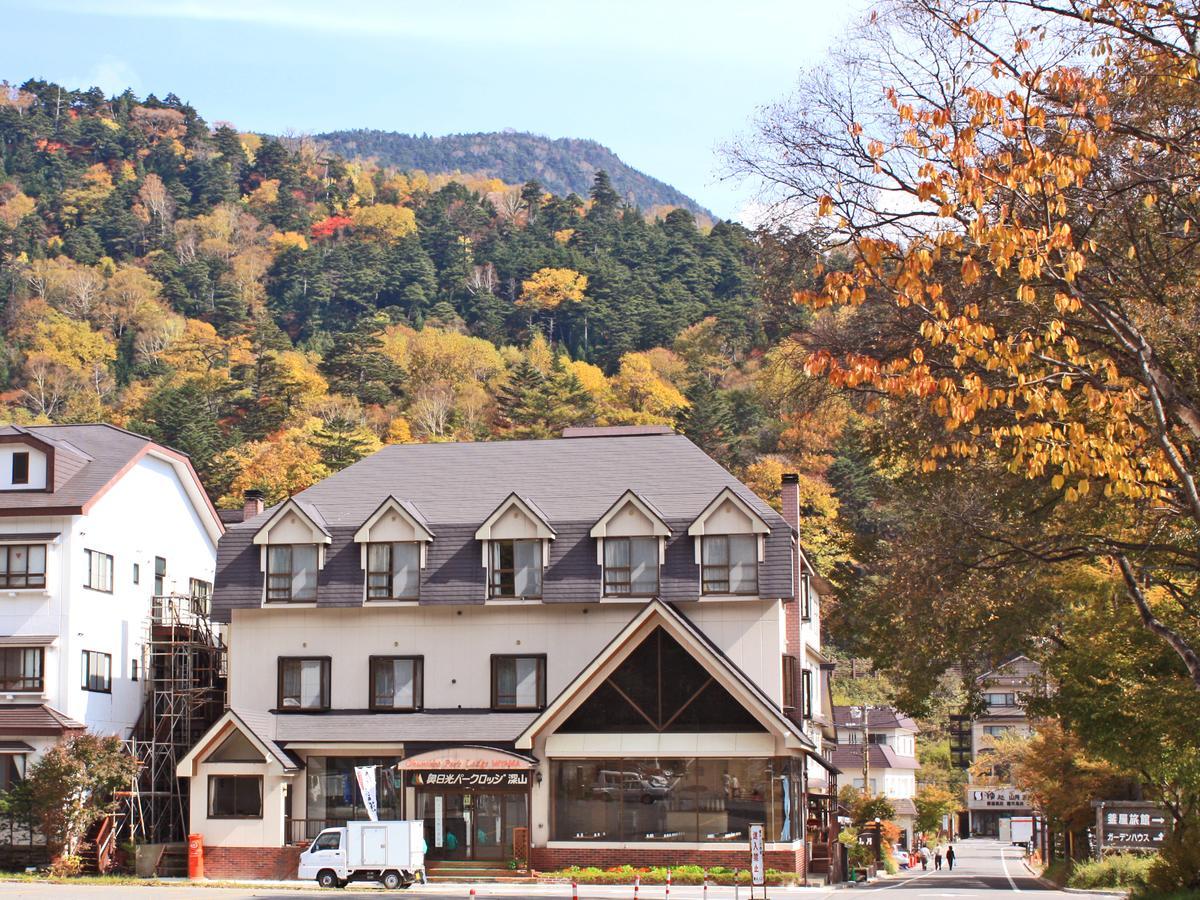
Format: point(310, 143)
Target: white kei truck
point(391, 853)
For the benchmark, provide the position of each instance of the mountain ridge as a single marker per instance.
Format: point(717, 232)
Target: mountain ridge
point(561, 165)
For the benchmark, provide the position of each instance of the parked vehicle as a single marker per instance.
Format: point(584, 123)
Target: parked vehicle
point(391, 853)
point(902, 859)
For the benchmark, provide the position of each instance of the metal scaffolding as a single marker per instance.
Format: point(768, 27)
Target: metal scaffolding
point(184, 669)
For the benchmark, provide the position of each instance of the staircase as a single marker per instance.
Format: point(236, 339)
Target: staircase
point(173, 862)
point(476, 872)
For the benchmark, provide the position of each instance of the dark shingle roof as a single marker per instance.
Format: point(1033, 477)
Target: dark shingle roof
point(22, 719)
point(90, 456)
point(848, 758)
point(877, 717)
point(455, 487)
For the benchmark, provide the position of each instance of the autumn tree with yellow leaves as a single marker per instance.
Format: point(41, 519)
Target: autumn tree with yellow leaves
point(1010, 190)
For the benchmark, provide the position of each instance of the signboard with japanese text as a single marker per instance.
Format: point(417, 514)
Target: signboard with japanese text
point(1128, 825)
point(468, 780)
point(996, 798)
point(758, 872)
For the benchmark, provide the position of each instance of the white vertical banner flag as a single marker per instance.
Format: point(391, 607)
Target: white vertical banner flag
point(366, 786)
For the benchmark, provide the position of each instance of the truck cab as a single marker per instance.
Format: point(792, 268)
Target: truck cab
point(391, 853)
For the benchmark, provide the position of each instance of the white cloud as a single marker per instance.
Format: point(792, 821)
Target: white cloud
point(111, 75)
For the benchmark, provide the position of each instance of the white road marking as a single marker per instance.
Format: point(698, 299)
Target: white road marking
point(1004, 863)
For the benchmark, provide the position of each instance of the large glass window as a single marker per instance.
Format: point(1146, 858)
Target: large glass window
point(22, 566)
point(292, 572)
point(332, 794)
point(396, 682)
point(631, 566)
point(729, 564)
point(303, 683)
point(518, 682)
point(515, 569)
point(393, 571)
point(21, 668)
point(235, 796)
point(99, 571)
point(97, 671)
point(659, 800)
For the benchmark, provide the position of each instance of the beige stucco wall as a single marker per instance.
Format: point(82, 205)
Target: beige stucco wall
point(458, 642)
point(264, 832)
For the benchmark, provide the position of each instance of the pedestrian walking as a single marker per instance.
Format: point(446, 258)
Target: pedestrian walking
point(925, 858)
point(950, 858)
point(937, 859)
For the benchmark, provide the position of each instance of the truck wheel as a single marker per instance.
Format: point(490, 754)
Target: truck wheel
point(327, 878)
point(392, 880)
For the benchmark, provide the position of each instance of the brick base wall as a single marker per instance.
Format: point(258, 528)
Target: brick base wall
point(274, 863)
point(549, 858)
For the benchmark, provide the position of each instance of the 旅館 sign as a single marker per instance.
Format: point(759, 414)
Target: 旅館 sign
point(1130, 825)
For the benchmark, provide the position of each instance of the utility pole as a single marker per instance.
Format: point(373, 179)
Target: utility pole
point(864, 711)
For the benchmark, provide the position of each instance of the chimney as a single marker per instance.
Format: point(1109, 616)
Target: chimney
point(789, 495)
point(252, 504)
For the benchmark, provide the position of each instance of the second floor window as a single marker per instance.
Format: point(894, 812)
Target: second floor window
point(396, 682)
point(1000, 699)
point(806, 693)
point(100, 571)
point(789, 682)
point(20, 468)
point(515, 569)
point(160, 576)
point(21, 668)
point(631, 566)
point(805, 596)
point(292, 572)
point(729, 564)
point(518, 682)
point(201, 594)
point(393, 571)
point(97, 672)
point(304, 682)
point(23, 565)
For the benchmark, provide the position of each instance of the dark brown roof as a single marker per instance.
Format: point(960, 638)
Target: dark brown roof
point(904, 806)
point(877, 717)
point(455, 487)
point(24, 719)
point(848, 758)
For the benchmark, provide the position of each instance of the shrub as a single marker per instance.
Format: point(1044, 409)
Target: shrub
point(66, 866)
point(1114, 871)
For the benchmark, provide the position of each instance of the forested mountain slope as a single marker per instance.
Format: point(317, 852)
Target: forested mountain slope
point(278, 312)
point(563, 165)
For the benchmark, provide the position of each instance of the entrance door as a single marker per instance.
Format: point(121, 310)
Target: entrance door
point(488, 823)
point(472, 825)
point(445, 824)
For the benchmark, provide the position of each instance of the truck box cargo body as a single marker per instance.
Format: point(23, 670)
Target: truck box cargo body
point(390, 852)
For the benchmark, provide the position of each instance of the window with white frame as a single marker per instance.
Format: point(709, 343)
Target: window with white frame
point(393, 570)
point(291, 573)
point(99, 571)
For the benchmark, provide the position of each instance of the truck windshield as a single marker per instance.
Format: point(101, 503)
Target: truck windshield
point(330, 841)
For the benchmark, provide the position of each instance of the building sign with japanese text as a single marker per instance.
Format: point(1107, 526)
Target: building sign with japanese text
point(1131, 825)
point(469, 780)
point(996, 798)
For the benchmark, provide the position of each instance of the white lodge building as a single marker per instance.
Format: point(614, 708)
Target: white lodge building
point(600, 649)
point(94, 523)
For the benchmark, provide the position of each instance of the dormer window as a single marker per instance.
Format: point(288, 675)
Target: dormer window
point(729, 564)
point(393, 540)
point(291, 573)
point(631, 539)
point(516, 539)
point(729, 536)
point(516, 569)
point(20, 467)
point(292, 543)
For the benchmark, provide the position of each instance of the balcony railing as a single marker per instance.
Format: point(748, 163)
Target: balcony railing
point(302, 831)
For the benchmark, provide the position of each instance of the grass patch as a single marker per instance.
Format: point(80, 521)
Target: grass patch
point(1058, 872)
point(658, 875)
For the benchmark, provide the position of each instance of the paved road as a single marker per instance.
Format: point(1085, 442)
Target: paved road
point(984, 870)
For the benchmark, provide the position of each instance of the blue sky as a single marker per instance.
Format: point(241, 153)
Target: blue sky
point(664, 83)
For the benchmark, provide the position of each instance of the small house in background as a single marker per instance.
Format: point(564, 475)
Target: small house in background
point(890, 738)
point(95, 523)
